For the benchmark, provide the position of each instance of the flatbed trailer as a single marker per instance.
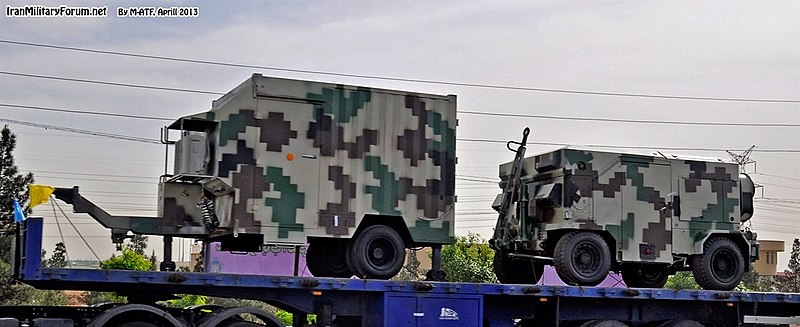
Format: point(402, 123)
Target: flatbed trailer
point(364, 302)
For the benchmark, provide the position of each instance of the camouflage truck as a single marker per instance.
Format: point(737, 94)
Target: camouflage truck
point(358, 173)
point(589, 212)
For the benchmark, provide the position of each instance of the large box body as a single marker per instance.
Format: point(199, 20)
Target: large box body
point(307, 159)
point(653, 206)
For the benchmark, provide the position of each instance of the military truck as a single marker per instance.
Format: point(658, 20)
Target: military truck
point(588, 212)
point(358, 173)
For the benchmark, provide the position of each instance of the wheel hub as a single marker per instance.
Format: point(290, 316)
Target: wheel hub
point(723, 265)
point(585, 258)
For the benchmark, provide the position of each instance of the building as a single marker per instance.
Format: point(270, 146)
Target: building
point(767, 264)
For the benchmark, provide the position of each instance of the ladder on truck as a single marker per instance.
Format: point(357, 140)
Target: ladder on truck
point(510, 191)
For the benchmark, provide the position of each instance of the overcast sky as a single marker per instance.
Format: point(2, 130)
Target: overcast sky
point(718, 49)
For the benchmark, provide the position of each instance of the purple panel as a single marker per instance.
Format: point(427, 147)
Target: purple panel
point(550, 277)
point(272, 260)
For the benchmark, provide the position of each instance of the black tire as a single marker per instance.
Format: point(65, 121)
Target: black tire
point(644, 276)
point(328, 259)
point(137, 324)
point(680, 323)
point(516, 271)
point(582, 258)
point(378, 252)
point(603, 323)
point(720, 267)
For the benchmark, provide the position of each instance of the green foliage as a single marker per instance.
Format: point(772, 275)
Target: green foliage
point(138, 244)
point(286, 318)
point(682, 280)
point(187, 300)
point(59, 257)
point(468, 260)
point(154, 262)
point(794, 258)
point(752, 281)
point(790, 281)
point(199, 265)
point(411, 270)
point(129, 260)
point(14, 186)
point(92, 298)
point(15, 293)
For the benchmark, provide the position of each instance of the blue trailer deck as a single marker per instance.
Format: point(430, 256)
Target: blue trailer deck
point(360, 302)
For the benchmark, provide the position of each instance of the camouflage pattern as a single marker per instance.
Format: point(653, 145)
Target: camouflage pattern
point(305, 159)
point(632, 198)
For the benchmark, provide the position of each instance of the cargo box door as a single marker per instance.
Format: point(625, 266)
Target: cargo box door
point(646, 221)
point(703, 200)
point(291, 168)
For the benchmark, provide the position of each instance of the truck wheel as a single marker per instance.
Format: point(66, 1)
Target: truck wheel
point(636, 275)
point(582, 258)
point(519, 271)
point(327, 259)
point(720, 267)
point(603, 323)
point(680, 323)
point(378, 252)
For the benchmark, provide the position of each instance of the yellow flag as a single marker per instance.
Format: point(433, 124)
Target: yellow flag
point(39, 194)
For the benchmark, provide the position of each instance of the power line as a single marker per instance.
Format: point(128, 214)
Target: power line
point(397, 79)
point(83, 131)
point(614, 120)
point(154, 141)
point(89, 174)
point(777, 176)
point(469, 140)
point(53, 200)
point(160, 88)
point(630, 146)
point(83, 112)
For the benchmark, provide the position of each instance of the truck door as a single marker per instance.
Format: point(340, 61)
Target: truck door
point(646, 220)
point(704, 207)
point(290, 165)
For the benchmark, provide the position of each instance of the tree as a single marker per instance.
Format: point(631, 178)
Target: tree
point(13, 185)
point(153, 261)
point(682, 280)
point(794, 259)
point(790, 281)
point(411, 270)
point(129, 260)
point(752, 281)
point(59, 257)
point(138, 243)
point(468, 260)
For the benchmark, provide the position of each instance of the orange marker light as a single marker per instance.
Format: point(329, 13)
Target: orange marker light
point(316, 293)
point(542, 299)
point(290, 156)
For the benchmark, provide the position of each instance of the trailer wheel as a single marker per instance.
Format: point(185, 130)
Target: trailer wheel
point(582, 258)
point(328, 259)
point(378, 252)
point(636, 275)
point(720, 267)
point(516, 271)
point(680, 323)
point(603, 323)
